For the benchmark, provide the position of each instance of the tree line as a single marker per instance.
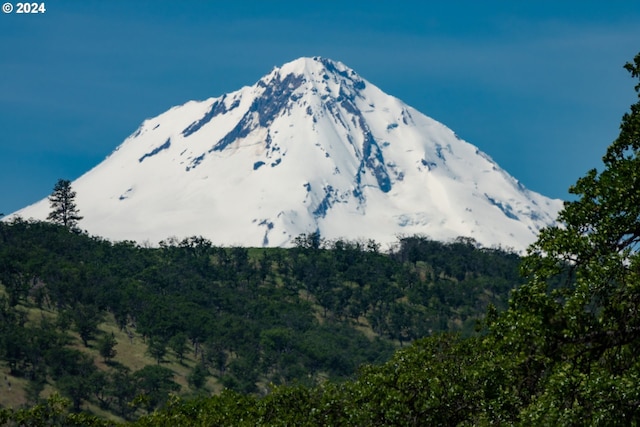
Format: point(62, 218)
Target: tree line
point(244, 317)
point(564, 352)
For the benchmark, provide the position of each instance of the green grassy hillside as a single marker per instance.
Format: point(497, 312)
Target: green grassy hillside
point(104, 323)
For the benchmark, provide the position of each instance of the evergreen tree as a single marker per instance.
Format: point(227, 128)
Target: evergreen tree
point(63, 207)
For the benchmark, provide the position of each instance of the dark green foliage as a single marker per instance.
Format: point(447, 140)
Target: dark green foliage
point(178, 343)
point(564, 352)
point(155, 384)
point(106, 347)
point(198, 376)
point(121, 389)
point(250, 317)
point(63, 207)
point(584, 335)
point(157, 348)
point(53, 412)
point(85, 318)
point(72, 372)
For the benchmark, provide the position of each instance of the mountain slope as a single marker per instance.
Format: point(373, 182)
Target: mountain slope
point(310, 146)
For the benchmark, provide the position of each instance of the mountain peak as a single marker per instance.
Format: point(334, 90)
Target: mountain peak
point(321, 75)
point(312, 146)
point(314, 66)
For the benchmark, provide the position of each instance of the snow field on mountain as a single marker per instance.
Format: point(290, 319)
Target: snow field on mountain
point(311, 146)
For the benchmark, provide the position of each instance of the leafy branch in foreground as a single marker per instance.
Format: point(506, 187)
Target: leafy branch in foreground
point(579, 342)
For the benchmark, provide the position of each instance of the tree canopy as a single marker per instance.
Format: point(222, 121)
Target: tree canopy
point(583, 336)
point(566, 351)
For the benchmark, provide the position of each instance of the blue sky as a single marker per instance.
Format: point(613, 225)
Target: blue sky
point(537, 85)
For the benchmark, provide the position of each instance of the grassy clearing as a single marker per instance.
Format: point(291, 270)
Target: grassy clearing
point(131, 351)
point(12, 390)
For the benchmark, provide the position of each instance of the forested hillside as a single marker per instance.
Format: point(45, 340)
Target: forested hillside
point(103, 323)
point(563, 353)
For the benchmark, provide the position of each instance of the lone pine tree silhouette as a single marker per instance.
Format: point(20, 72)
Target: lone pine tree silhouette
point(63, 207)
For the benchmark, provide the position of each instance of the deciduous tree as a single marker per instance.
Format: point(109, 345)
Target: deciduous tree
point(576, 345)
point(106, 346)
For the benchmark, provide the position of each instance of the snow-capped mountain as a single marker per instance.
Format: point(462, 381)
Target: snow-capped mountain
point(311, 146)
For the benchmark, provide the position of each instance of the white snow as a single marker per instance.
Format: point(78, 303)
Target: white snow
point(160, 183)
